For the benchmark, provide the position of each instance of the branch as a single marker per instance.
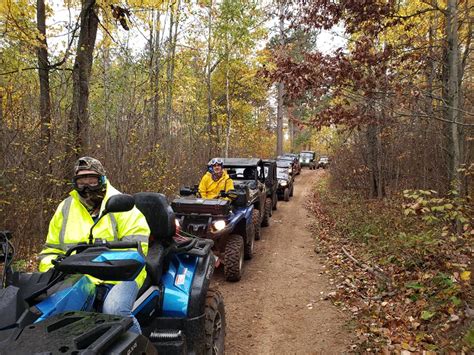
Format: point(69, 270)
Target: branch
point(434, 6)
point(436, 118)
point(107, 31)
point(32, 68)
point(68, 49)
point(377, 272)
point(214, 66)
point(421, 12)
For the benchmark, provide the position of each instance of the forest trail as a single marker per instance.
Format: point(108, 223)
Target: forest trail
point(277, 307)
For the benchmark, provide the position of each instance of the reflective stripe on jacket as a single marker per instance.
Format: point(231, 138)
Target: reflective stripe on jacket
point(71, 224)
point(208, 188)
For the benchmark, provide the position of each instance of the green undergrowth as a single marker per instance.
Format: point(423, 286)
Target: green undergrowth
point(380, 227)
point(428, 265)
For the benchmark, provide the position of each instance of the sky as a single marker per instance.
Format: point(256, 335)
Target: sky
point(327, 41)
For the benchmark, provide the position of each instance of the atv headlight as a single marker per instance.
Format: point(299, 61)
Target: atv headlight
point(219, 225)
point(283, 182)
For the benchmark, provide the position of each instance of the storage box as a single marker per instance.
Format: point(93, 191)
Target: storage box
point(201, 206)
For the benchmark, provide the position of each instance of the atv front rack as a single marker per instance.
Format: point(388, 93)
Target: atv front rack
point(76, 333)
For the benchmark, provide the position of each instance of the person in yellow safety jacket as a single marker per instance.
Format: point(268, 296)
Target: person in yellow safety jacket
point(215, 180)
point(71, 224)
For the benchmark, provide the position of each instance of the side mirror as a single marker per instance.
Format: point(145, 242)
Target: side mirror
point(116, 203)
point(119, 203)
point(232, 173)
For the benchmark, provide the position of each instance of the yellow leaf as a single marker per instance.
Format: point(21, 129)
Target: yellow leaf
point(465, 275)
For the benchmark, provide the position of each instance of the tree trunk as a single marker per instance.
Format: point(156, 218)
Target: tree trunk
point(44, 168)
point(155, 76)
point(2, 135)
point(429, 108)
point(372, 160)
point(227, 108)
point(43, 72)
point(1, 111)
point(280, 88)
point(453, 100)
point(78, 125)
point(173, 38)
point(280, 119)
point(106, 83)
point(210, 127)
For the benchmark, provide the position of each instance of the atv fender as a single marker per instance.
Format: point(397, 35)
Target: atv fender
point(244, 225)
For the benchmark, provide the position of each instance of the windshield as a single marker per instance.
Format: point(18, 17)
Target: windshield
point(284, 163)
point(282, 173)
point(307, 155)
point(324, 159)
point(248, 173)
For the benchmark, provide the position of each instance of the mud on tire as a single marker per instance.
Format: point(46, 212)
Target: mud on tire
point(286, 195)
point(234, 258)
point(215, 324)
point(256, 223)
point(267, 212)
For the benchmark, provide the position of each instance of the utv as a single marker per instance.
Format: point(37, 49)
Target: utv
point(271, 181)
point(294, 167)
point(323, 162)
point(228, 223)
point(57, 311)
point(285, 180)
point(307, 158)
point(296, 158)
point(249, 172)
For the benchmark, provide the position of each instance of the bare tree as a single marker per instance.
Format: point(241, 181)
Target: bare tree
point(280, 87)
point(452, 92)
point(78, 124)
point(43, 72)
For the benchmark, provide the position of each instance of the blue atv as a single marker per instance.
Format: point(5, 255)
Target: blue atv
point(57, 312)
point(229, 223)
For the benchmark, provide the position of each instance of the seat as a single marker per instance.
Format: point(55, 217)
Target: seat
point(249, 174)
point(161, 220)
point(232, 173)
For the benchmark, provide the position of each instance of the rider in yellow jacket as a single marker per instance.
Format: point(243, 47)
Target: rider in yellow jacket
point(215, 180)
point(72, 222)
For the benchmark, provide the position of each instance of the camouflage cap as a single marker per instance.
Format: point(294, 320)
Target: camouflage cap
point(89, 163)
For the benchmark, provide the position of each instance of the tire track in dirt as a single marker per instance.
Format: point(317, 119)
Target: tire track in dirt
point(277, 308)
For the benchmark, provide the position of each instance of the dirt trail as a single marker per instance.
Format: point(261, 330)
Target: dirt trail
point(277, 308)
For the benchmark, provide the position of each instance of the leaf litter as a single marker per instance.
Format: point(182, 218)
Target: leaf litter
point(398, 306)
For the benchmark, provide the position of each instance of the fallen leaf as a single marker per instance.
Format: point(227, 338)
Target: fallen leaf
point(453, 318)
point(465, 275)
point(427, 315)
